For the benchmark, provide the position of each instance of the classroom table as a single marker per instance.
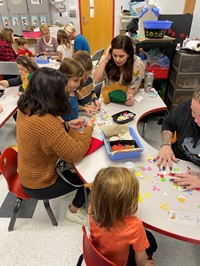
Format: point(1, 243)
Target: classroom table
point(158, 196)
point(9, 104)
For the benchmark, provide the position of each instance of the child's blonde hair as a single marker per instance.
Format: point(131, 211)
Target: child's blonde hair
point(71, 68)
point(63, 38)
point(85, 59)
point(69, 28)
point(113, 196)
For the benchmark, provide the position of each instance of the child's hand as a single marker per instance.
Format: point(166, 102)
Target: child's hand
point(4, 83)
point(19, 93)
point(98, 104)
point(76, 123)
point(90, 109)
point(90, 123)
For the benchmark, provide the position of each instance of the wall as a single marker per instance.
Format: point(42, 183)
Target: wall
point(195, 28)
point(166, 7)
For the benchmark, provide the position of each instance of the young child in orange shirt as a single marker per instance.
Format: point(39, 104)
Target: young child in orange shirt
point(115, 230)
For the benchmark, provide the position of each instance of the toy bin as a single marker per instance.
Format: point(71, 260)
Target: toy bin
point(41, 60)
point(31, 34)
point(156, 29)
point(124, 154)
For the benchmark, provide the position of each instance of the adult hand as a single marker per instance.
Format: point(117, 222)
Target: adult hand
point(166, 156)
point(90, 123)
point(130, 100)
point(190, 180)
point(98, 104)
point(4, 83)
point(76, 123)
point(107, 56)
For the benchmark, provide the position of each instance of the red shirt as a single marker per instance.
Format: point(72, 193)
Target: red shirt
point(6, 51)
point(24, 52)
point(115, 243)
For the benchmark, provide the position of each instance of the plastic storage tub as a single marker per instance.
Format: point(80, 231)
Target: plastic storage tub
point(156, 29)
point(31, 34)
point(40, 60)
point(119, 155)
point(157, 24)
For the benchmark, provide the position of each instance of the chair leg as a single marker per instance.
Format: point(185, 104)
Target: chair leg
point(15, 214)
point(80, 260)
point(50, 212)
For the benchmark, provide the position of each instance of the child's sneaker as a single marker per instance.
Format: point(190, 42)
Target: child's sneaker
point(79, 217)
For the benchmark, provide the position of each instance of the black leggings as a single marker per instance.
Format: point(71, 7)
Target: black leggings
point(150, 250)
point(59, 188)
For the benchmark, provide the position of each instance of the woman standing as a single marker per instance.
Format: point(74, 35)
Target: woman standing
point(43, 138)
point(121, 65)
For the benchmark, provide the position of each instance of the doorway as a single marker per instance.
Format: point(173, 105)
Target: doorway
point(97, 22)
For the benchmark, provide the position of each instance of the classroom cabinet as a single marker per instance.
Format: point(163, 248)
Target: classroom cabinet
point(185, 75)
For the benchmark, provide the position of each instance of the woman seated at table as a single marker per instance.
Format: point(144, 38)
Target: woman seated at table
point(46, 45)
point(43, 138)
point(121, 65)
point(6, 51)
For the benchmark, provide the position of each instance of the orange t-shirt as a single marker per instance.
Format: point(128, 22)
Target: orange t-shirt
point(115, 243)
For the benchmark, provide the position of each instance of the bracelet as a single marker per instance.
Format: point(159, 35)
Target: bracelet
point(166, 144)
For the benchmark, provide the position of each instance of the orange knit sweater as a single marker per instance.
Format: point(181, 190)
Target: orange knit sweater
point(42, 140)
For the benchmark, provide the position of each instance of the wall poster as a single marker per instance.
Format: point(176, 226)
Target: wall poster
point(15, 21)
point(36, 2)
point(5, 21)
point(34, 20)
point(24, 21)
point(43, 20)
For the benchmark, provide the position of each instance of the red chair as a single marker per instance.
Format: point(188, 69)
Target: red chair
point(8, 167)
point(91, 256)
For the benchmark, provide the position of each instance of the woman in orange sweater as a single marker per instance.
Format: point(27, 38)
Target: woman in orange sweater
point(43, 139)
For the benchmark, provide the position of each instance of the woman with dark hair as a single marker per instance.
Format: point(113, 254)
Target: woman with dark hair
point(121, 65)
point(6, 51)
point(43, 138)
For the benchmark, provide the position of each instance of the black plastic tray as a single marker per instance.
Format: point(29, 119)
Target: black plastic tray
point(115, 116)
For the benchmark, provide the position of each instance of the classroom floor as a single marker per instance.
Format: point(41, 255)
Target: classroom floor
point(35, 241)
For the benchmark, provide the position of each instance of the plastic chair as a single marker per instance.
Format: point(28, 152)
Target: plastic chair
point(8, 167)
point(97, 55)
point(91, 255)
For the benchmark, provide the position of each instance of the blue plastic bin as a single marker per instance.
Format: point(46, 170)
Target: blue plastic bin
point(157, 24)
point(40, 60)
point(124, 155)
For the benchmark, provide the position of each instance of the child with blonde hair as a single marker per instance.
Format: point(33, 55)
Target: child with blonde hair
point(87, 98)
point(115, 230)
point(74, 71)
point(23, 47)
point(65, 48)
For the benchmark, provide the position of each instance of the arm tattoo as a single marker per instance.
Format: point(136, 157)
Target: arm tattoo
point(166, 137)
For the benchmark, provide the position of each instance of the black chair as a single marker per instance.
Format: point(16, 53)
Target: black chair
point(97, 55)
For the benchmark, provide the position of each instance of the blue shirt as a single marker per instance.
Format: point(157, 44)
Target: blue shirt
point(80, 43)
point(74, 106)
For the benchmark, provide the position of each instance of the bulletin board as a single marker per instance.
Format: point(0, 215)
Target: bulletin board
point(181, 26)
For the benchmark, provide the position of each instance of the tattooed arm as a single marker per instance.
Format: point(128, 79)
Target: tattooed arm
point(165, 155)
